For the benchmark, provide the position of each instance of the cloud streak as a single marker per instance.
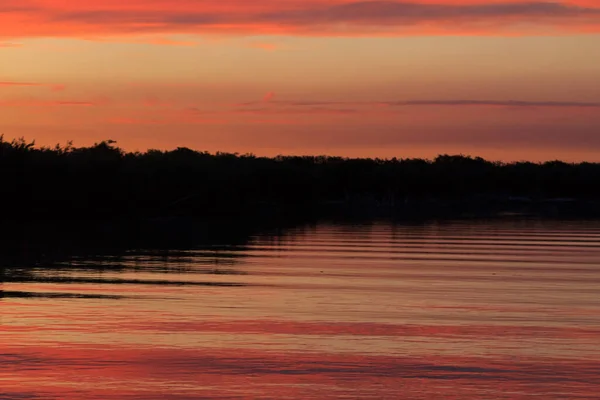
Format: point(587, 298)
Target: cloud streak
point(53, 87)
point(268, 97)
point(308, 17)
point(26, 84)
point(46, 103)
point(494, 103)
point(431, 103)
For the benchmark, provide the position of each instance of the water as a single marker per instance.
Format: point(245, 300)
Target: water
point(499, 309)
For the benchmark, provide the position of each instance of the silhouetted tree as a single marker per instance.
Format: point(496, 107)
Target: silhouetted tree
point(103, 181)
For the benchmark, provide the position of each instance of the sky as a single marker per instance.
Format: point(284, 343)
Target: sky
point(502, 79)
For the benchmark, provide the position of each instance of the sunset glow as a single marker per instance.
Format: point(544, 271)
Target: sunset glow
point(502, 79)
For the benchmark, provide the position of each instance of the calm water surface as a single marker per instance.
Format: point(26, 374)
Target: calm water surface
point(499, 309)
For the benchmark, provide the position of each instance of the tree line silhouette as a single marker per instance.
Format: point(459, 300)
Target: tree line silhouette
point(104, 181)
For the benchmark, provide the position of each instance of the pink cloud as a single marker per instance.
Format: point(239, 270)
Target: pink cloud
point(152, 101)
point(429, 103)
point(73, 103)
point(103, 18)
point(46, 103)
point(162, 121)
point(135, 121)
point(170, 42)
point(5, 83)
point(296, 111)
point(58, 88)
point(268, 97)
point(53, 87)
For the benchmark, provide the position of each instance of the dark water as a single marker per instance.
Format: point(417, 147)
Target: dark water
point(498, 309)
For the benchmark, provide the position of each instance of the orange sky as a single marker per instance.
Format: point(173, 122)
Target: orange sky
point(504, 79)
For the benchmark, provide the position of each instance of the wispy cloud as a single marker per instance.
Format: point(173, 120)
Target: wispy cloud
point(153, 101)
point(309, 17)
point(51, 86)
point(7, 83)
point(46, 103)
point(431, 102)
point(73, 103)
point(170, 42)
point(496, 103)
point(296, 111)
point(268, 97)
point(58, 88)
point(269, 106)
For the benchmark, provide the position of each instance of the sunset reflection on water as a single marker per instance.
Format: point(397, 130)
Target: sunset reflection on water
point(497, 309)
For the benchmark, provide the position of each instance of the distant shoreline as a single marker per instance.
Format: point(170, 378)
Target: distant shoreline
point(103, 182)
